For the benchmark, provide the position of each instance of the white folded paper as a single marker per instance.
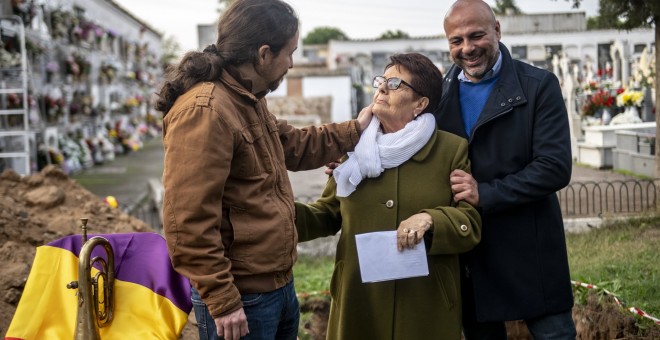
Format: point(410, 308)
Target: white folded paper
point(380, 260)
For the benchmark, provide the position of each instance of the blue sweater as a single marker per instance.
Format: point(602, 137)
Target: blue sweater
point(473, 97)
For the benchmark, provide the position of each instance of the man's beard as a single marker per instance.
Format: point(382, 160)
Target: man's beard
point(480, 71)
point(272, 86)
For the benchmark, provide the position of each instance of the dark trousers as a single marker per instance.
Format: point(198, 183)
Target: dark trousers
point(556, 326)
point(547, 327)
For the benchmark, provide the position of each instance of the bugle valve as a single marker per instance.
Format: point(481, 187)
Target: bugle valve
point(95, 293)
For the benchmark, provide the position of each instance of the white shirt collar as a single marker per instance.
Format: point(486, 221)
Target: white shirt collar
point(490, 74)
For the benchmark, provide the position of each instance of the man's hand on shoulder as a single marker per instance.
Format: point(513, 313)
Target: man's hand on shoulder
point(364, 118)
point(330, 167)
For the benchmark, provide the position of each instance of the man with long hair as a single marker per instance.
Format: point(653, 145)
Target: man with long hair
point(228, 208)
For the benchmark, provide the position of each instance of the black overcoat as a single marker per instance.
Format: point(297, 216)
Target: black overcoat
point(520, 152)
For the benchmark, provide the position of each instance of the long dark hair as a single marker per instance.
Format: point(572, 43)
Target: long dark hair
point(244, 27)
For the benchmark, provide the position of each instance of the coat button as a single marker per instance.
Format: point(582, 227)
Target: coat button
point(464, 227)
point(502, 104)
point(510, 100)
point(518, 98)
point(389, 203)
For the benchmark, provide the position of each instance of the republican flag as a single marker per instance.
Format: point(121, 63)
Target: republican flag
point(152, 301)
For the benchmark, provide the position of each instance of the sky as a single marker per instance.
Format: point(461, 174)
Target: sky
point(358, 19)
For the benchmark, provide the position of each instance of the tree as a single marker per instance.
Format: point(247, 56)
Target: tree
point(224, 4)
point(601, 22)
point(629, 14)
point(171, 49)
point(394, 35)
point(321, 35)
point(502, 7)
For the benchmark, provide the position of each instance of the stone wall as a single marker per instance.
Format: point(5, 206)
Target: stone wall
point(301, 111)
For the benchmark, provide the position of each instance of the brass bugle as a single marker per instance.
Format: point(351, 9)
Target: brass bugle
point(95, 307)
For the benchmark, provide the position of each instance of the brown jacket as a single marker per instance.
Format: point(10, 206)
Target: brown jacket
point(228, 209)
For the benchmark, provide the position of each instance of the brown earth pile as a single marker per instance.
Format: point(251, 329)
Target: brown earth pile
point(38, 209)
point(598, 319)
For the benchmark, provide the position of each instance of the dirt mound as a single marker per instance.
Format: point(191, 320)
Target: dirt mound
point(598, 319)
point(602, 319)
point(38, 209)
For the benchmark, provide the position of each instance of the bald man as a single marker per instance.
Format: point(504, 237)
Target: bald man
point(514, 117)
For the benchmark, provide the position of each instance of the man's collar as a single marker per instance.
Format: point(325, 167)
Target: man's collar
point(244, 80)
point(489, 75)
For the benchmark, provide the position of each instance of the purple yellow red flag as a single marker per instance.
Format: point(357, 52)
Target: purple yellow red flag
point(152, 301)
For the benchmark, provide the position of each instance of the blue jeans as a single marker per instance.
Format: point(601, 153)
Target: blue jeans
point(549, 327)
point(270, 316)
point(553, 327)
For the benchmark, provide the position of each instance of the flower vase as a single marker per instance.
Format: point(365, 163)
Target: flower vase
point(632, 111)
point(647, 106)
point(606, 116)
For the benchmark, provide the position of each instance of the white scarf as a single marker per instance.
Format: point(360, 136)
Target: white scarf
point(376, 151)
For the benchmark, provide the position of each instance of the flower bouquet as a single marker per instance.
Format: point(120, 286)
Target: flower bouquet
point(602, 99)
point(597, 103)
point(629, 98)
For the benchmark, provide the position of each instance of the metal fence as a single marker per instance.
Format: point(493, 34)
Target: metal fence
point(596, 199)
point(578, 199)
point(607, 198)
point(147, 209)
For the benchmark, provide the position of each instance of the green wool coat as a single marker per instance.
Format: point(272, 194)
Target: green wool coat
point(414, 308)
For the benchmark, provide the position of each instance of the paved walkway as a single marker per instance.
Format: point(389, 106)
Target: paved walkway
point(127, 176)
point(127, 179)
point(583, 174)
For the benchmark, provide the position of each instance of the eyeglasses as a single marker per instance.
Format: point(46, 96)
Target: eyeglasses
point(392, 83)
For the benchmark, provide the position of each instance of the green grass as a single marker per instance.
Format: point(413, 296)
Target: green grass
point(633, 174)
point(312, 275)
point(312, 281)
point(618, 171)
point(621, 257)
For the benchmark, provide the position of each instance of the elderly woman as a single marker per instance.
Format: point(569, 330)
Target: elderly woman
point(397, 179)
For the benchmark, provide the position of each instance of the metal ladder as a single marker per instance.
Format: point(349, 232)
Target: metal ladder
point(15, 133)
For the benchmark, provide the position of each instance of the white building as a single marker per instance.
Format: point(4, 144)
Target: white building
point(524, 37)
point(539, 39)
point(90, 66)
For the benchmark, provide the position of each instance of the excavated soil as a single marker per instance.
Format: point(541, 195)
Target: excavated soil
point(598, 319)
point(38, 209)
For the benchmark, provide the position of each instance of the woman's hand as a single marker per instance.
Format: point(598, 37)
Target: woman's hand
point(411, 230)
